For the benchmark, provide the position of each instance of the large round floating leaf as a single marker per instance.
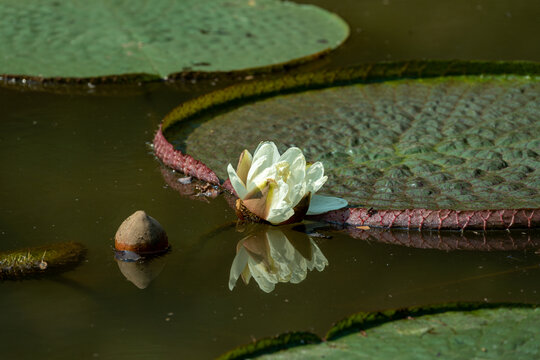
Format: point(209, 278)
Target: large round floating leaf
point(407, 149)
point(84, 39)
point(450, 332)
point(466, 143)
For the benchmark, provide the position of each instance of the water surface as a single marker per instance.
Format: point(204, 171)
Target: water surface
point(76, 163)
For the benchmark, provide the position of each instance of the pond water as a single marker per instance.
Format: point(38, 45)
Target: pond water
point(75, 163)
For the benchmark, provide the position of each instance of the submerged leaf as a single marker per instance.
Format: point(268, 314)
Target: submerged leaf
point(40, 260)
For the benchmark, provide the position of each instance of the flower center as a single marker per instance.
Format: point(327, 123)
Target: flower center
point(283, 171)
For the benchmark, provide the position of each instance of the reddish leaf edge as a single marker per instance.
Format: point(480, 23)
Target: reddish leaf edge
point(421, 219)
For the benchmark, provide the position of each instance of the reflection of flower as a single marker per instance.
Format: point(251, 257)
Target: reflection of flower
point(273, 187)
point(270, 257)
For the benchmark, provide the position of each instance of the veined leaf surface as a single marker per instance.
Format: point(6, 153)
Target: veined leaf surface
point(82, 39)
point(462, 143)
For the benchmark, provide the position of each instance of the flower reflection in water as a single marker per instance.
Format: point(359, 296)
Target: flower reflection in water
point(271, 255)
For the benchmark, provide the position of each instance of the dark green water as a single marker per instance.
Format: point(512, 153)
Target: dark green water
point(75, 164)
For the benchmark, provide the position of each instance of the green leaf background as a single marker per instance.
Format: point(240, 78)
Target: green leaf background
point(81, 39)
point(453, 331)
point(460, 142)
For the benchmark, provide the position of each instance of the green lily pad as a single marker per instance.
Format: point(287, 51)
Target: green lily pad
point(455, 142)
point(456, 331)
point(84, 39)
point(264, 346)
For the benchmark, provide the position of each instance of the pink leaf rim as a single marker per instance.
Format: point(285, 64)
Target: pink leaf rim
point(421, 219)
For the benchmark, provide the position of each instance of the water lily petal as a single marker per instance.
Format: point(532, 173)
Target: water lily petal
point(278, 217)
point(244, 164)
point(264, 157)
point(275, 237)
point(300, 270)
point(280, 208)
point(286, 259)
point(283, 170)
point(314, 177)
point(259, 200)
point(277, 254)
point(260, 171)
point(267, 255)
point(237, 183)
point(273, 186)
point(239, 264)
point(298, 186)
point(296, 175)
point(265, 148)
point(320, 204)
point(265, 279)
point(246, 274)
point(291, 155)
point(256, 246)
point(318, 260)
point(279, 245)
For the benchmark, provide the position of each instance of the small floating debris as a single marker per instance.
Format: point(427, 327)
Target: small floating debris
point(207, 190)
point(185, 180)
point(363, 227)
point(141, 234)
point(40, 260)
point(190, 186)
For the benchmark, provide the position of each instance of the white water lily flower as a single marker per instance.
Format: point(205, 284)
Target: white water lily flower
point(270, 257)
point(271, 185)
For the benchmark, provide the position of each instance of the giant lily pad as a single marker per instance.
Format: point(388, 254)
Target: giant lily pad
point(455, 331)
point(86, 39)
point(459, 148)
